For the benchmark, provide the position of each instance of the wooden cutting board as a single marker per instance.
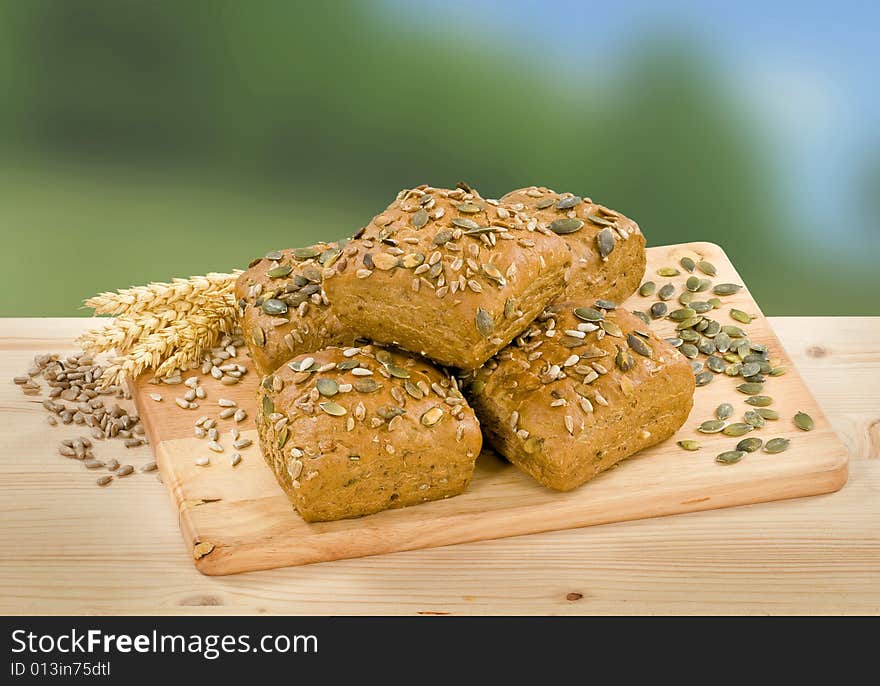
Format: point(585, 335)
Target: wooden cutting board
point(237, 519)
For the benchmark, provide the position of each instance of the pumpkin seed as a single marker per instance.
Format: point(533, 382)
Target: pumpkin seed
point(724, 411)
point(707, 268)
point(715, 303)
point(416, 392)
point(803, 421)
point(668, 271)
point(509, 308)
point(658, 310)
point(737, 429)
point(565, 226)
point(282, 437)
point(726, 289)
point(643, 316)
point(689, 445)
point(729, 457)
point(605, 241)
point(638, 344)
point(268, 405)
point(767, 413)
point(715, 363)
point(703, 378)
point(366, 385)
point(666, 291)
point(605, 304)
point(647, 289)
point(279, 271)
point(754, 418)
point(700, 306)
point(588, 314)
point(442, 237)
point(682, 314)
point(750, 388)
point(419, 219)
point(749, 445)
point(711, 426)
point(333, 408)
point(492, 272)
point(274, 307)
point(759, 401)
point(397, 372)
point(568, 203)
point(306, 253)
point(624, 360)
point(777, 445)
point(778, 371)
point(274, 255)
point(687, 264)
point(465, 223)
point(741, 316)
point(432, 416)
point(601, 221)
point(485, 324)
point(469, 207)
point(611, 328)
point(722, 342)
point(689, 350)
point(750, 369)
point(544, 203)
point(327, 387)
point(692, 284)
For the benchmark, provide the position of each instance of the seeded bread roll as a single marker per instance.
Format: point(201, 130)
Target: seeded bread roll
point(578, 392)
point(607, 249)
point(447, 274)
point(353, 431)
point(282, 306)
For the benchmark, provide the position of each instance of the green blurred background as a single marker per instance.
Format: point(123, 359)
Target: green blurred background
point(144, 140)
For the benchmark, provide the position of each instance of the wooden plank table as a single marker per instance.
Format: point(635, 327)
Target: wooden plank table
point(69, 547)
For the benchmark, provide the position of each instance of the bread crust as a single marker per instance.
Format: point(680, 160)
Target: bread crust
point(385, 430)
point(309, 323)
point(563, 421)
point(447, 274)
point(613, 277)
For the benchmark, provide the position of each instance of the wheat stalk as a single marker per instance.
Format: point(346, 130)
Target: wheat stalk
point(162, 327)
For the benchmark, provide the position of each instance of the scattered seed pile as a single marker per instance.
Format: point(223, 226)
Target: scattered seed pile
point(78, 396)
point(725, 349)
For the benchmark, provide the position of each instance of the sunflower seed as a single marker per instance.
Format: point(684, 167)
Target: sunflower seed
point(125, 470)
point(156, 397)
point(803, 421)
point(104, 480)
point(729, 457)
point(242, 443)
point(749, 445)
point(776, 445)
point(647, 288)
point(235, 459)
point(239, 416)
point(711, 426)
point(149, 467)
point(203, 461)
point(689, 445)
point(565, 226)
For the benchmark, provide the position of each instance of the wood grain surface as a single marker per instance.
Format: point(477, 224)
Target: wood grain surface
point(238, 519)
point(69, 547)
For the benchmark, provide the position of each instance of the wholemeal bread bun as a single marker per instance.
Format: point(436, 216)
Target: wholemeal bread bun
point(447, 274)
point(582, 389)
point(282, 307)
point(607, 249)
point(352, 431)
